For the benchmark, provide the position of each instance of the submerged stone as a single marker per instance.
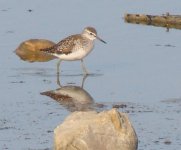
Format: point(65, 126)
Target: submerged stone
point(30, 50)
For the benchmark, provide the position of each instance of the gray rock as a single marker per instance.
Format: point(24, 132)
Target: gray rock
point(107, 130)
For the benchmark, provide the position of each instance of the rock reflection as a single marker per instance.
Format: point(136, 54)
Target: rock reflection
point(30, 50)
point(74, 98)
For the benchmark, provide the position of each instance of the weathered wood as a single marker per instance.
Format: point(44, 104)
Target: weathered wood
point(167, 20)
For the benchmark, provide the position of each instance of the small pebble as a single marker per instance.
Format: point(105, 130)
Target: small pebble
point(167, 142)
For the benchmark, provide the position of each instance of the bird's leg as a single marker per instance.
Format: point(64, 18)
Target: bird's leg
point(83, 80)
point(58, 73)
point(84, 68)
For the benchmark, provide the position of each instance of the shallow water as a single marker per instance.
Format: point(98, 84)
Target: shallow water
point(140, 66)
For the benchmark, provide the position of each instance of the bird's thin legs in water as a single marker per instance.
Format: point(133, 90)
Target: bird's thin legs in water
point(83, 80)
point(84, 68)
point(58, 73)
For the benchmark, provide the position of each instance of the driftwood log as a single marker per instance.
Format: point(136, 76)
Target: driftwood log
point(165, 20)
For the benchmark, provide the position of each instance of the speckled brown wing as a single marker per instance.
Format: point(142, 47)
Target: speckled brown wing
point(63, 47)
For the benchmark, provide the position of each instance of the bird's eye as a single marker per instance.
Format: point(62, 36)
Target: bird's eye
point(91, 33)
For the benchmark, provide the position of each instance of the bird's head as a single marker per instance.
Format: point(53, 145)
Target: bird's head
point(91, 34)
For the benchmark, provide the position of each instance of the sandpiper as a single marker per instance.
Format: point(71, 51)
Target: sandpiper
point(74, 47)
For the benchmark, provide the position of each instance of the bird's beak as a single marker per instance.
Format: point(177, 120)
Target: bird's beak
point(101, 40)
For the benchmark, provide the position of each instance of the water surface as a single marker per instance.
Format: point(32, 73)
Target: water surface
point(140, 66)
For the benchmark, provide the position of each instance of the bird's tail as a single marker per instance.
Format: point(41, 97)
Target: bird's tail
point(48, 50)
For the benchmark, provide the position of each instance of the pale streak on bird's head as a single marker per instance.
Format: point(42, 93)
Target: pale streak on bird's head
point(91, 33)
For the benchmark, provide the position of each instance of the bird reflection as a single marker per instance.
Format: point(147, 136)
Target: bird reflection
point(58, 77)
point(74, 98)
